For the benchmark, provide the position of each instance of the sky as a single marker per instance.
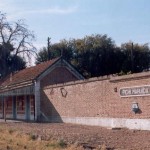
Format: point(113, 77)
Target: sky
point(122, 20)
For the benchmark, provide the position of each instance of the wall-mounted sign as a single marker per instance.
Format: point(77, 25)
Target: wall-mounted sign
point(135, 91)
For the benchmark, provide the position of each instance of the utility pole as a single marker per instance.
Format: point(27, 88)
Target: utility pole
point(132, 59)
point(48, 48)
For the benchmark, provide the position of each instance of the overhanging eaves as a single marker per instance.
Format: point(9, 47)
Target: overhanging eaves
point(27, 90)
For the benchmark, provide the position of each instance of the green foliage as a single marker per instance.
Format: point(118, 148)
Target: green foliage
point(33, 137)
point(9, 63)
point(97, 55)
point(60, 144)
point(55, 50)
point(42, 55)
point(141, 57)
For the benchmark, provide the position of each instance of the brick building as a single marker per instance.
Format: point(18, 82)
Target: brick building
point(20, 93)
point(104, 101)
point(55, 92)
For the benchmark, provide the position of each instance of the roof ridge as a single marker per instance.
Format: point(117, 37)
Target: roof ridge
point(39, 64)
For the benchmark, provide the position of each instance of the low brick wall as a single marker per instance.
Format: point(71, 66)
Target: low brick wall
point(96, 98)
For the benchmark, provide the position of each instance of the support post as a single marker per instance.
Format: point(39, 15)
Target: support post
point(37, 100)
point(5, 109)
point(14, 107)
point(2, 102)
point(34, 108)
point(27, 107)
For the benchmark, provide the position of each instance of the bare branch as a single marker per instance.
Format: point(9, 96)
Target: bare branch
point(17, 35)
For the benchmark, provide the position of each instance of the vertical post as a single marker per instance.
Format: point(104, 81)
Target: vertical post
point(27, 109)
point(37, 100)
point(5, 109)
point(14, 107)
point(132, 60)
point(2, 102)
point(34, 108)
point(48, 48)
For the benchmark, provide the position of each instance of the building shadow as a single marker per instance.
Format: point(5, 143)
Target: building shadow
point(48, 110)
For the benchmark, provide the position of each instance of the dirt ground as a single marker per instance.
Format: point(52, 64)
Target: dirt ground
point(89, 137)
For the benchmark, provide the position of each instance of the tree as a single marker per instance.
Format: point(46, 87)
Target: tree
point(136, 57)
point(15, 45)
point(95, 55)
point(42, 55)
point(55, 50)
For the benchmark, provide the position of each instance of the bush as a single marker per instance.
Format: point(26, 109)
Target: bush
point(33, 137)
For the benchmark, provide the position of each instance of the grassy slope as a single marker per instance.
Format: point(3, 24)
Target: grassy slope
point(14, 140)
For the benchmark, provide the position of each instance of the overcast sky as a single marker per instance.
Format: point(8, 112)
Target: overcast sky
point(123, 20)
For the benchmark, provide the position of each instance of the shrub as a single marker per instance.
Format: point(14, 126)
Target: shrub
point(33, 137)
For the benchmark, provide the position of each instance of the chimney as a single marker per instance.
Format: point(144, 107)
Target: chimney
point(10, 77)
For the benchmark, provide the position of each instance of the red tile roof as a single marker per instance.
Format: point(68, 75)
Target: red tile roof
point(27, 74)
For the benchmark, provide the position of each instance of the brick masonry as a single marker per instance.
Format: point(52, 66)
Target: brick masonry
point(58, 75)
point(95, 98)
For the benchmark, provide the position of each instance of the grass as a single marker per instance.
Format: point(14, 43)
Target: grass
point(15, 140)
point(33, 136)
point(11, 131)
point(11, 139)
point(62, 144)
point(57, 145)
